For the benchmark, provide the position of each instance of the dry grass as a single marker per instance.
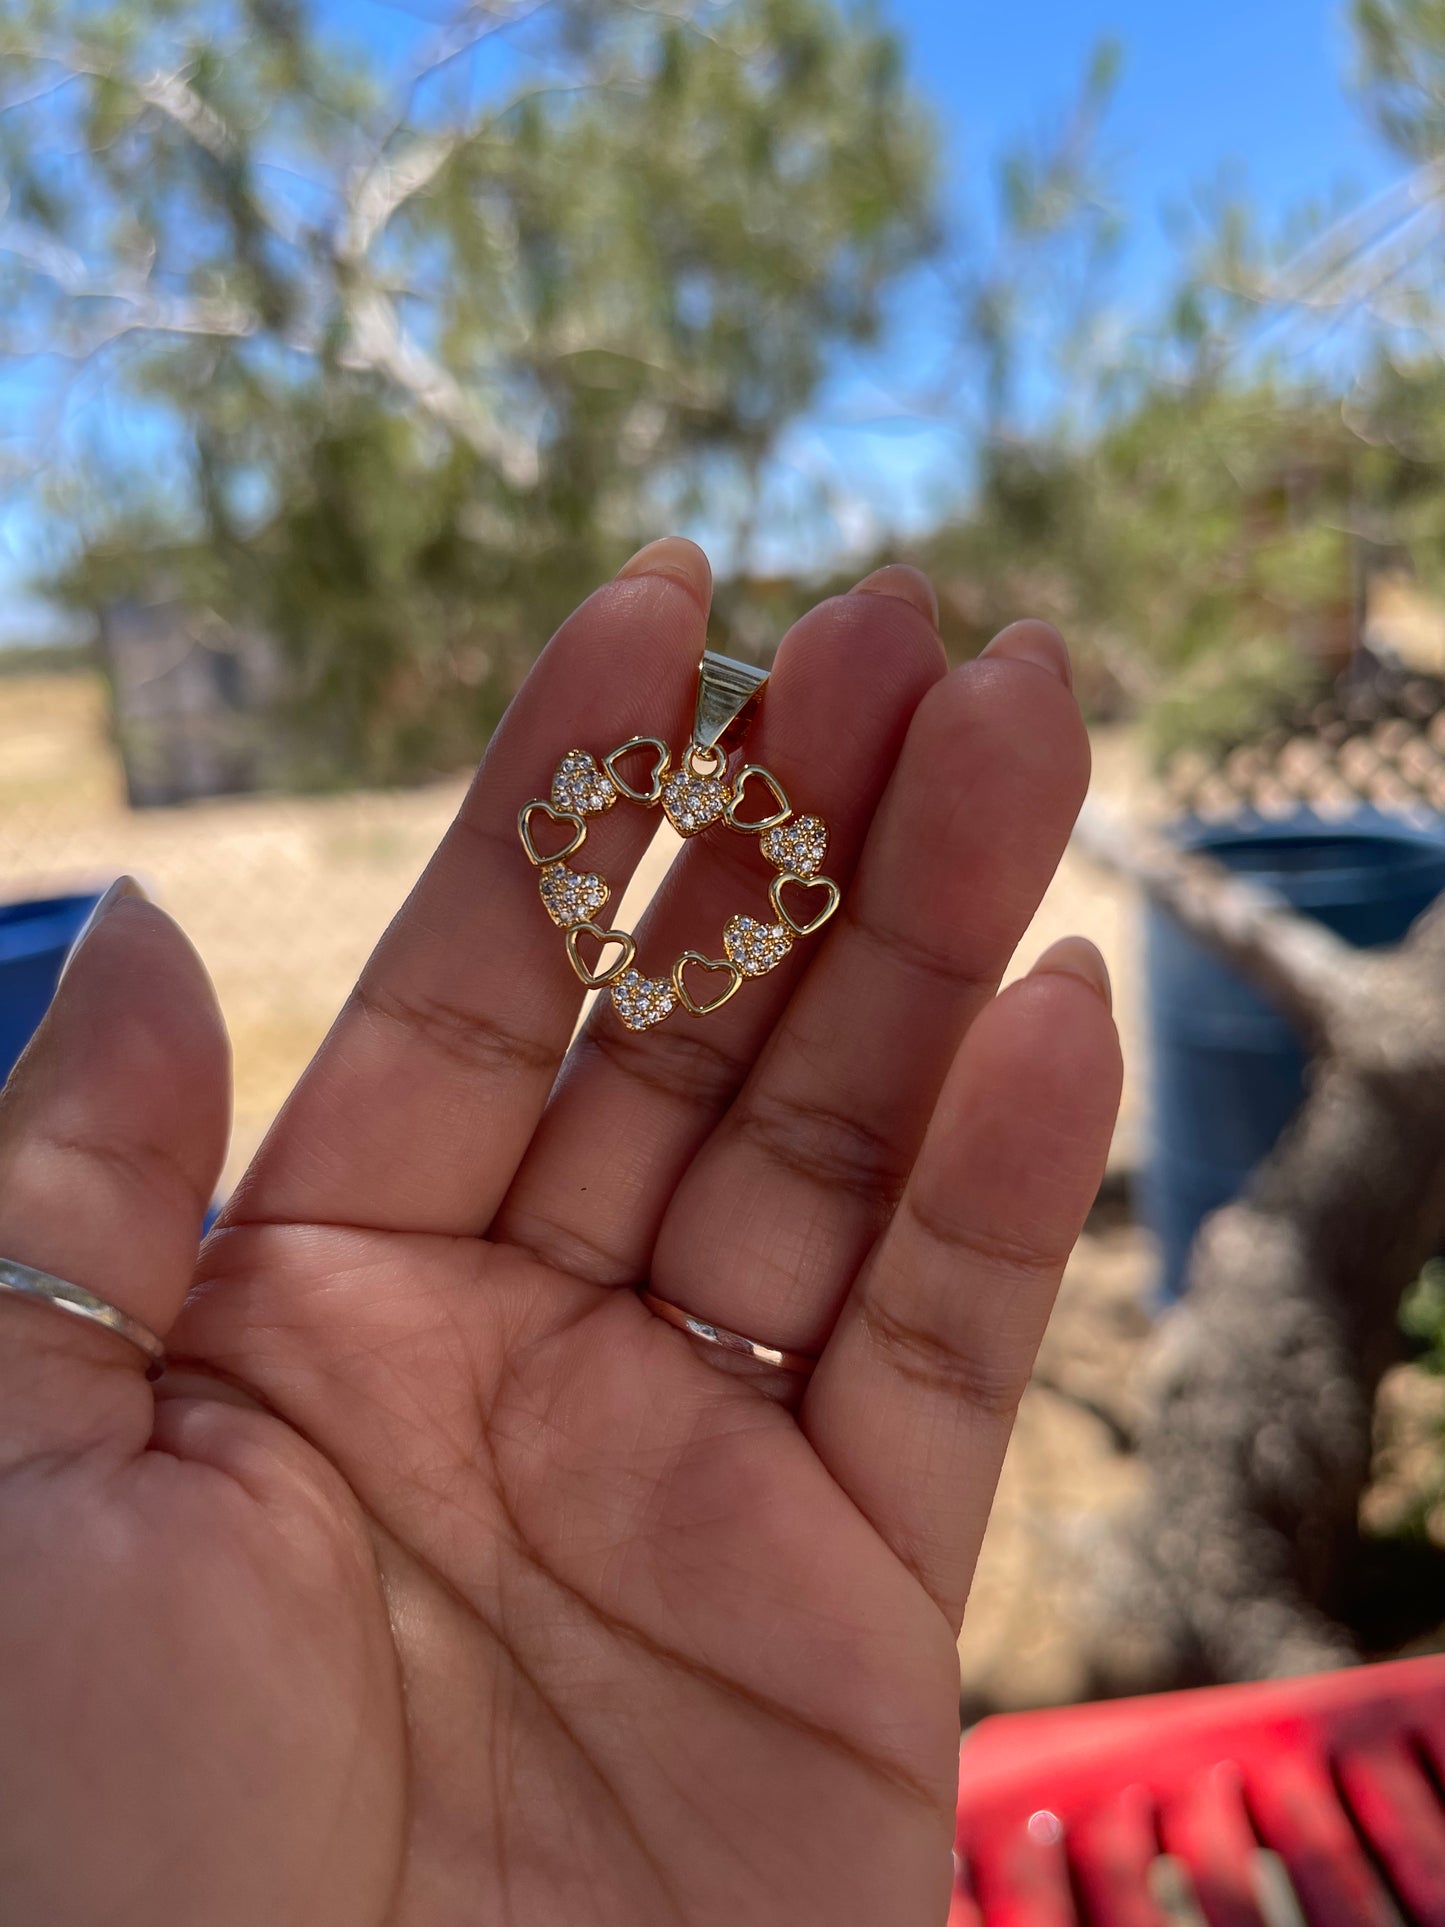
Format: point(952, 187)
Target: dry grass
point(283, 897)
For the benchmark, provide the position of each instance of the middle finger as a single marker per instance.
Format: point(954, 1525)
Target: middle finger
point(632, 1107)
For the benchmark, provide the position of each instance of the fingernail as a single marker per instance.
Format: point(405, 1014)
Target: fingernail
point(1037, 642)
point(905, 584)
point(1077, 957)
point(679, 560)
point(122, 887)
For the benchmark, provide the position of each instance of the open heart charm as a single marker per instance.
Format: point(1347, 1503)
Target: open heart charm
point(596, 976)
point(755, 826)
point(694, 794)
point(524, 830)
point(831, 897)
point(703, 1007)
point(660, 759)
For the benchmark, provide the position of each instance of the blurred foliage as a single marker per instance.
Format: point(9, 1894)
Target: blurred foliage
point(1402, 71)
point(24, 660)
point(1418, 1513)
point(1204, 498)
point(414, 346)
point(1422, 1318)
point(414, 352)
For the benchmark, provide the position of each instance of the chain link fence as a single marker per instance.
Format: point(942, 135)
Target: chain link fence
point(283, 896)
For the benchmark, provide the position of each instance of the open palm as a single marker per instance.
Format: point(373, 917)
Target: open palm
point(438, 1581)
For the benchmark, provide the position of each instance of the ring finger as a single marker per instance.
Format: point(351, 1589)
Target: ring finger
point(792, 1190)
point(633, 1106)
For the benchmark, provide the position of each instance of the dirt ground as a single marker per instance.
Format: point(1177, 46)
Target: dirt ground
point(283, 898)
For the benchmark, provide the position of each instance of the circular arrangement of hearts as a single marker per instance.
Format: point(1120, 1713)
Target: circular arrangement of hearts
point(694, 796)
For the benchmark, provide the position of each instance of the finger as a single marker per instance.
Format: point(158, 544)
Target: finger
point(419, 1104)
point(633, 1106)
point(802, 1174)
point(112, 1131)
point(912, 1404)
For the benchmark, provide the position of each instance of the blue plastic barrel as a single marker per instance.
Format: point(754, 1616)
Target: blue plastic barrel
point(1227, 1069)
point(35, 938)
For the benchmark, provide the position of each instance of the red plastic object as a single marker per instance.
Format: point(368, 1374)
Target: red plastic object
point(1316, 1800)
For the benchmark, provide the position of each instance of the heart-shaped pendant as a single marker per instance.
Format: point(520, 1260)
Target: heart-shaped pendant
point(692, 802)
point(570, 897)
point(782, 808)
point(704, 1006)
point(693, 794)
point(580, 787)
point(756, 948)
point(831, 893)
point(597, 976)
point(642, 1001)
point(799, 846)
point(524, 830)
point(661, 754)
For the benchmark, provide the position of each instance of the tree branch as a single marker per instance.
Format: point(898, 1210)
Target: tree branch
point(377, 342)
point(180, 103)
point(385, 186)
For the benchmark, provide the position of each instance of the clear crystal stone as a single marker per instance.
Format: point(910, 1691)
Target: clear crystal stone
point(642, 1001)
point(570, 897)
point(756, 948)
point(798, 847)
point(692, 802)
point(581, 785)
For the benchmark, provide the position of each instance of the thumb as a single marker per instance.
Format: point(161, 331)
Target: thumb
point(112, 1130)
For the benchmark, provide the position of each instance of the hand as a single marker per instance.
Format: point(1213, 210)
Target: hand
point(439, 1583)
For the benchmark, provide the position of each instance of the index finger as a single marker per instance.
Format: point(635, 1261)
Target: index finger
point(415, 1111)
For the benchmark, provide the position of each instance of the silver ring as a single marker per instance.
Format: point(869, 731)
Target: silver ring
point(730, 1341)
point(24, 1281)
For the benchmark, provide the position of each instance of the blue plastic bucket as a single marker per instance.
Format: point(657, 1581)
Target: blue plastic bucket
point(1227, 1069)
point(35, 938)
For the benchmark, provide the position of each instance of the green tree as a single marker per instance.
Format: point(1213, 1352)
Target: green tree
point(1401, 56)
point(1210, 468)
point(414, 344)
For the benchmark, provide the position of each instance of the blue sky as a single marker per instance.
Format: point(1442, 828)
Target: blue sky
point(1256, 89)
point(1258, 81)
point(1258, 86)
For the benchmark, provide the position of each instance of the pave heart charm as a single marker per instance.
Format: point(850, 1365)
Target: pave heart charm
point(756, 948)
point(661, 756)
point(832, 896)
point(642, 1001)
point(692, 802)
point(799, 846)
point(704, 1007)
point(781, 811)
point(580, 787)
point(570, 897)
point(693, 792)
point(524, 830)
point(597, 976)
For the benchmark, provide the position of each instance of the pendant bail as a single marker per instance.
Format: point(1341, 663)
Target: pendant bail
point(727, 693)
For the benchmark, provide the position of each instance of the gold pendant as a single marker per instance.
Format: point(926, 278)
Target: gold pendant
point(695, 794)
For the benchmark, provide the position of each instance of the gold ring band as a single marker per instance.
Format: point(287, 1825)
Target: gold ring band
point(729, 1341)
point(43, 1288)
